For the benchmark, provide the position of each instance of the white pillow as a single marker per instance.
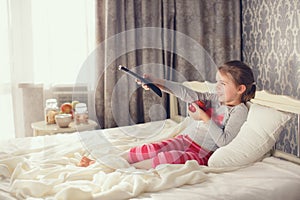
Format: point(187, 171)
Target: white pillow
point(256, 137)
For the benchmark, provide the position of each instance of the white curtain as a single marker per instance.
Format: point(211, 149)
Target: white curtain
point(45, 42)
point(6, 118)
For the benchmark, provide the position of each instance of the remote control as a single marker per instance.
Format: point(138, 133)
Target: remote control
point(153, 87)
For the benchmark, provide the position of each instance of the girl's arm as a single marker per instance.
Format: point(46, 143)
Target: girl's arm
point(236, 118)
point(186, 94)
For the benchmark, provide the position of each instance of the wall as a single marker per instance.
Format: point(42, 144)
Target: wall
point(271, 46)
point(32, 99)
point(271, 43)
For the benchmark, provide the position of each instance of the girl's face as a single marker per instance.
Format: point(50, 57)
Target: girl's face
point(228, 91)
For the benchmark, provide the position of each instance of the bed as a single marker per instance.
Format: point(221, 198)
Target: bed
point(250, 167)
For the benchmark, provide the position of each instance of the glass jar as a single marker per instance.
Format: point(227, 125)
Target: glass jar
point(51, 110)
point(81, 114)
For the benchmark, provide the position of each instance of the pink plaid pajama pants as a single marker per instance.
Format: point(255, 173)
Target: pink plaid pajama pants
point(176, 150)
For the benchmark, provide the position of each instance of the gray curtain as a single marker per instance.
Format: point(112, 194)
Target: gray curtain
point(173, 39)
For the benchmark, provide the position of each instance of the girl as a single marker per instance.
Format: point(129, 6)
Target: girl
point(235, 86)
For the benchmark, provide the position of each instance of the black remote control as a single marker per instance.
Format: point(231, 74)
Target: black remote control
point(153, 87)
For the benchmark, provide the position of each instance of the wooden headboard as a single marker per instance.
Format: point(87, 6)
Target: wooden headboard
point(279, 102)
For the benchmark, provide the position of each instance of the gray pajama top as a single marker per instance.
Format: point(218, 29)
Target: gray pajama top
point(211, 135)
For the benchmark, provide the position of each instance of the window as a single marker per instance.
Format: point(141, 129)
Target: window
point(62, 38)
point(41, 42)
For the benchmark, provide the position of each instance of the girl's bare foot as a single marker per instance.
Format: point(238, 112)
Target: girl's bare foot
point(85, 161)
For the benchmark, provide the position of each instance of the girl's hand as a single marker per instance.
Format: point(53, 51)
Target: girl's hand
point(199, 114)
point(158, 82)
point(146, 76)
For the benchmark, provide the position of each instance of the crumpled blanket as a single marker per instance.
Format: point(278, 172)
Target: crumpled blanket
point(46, 166)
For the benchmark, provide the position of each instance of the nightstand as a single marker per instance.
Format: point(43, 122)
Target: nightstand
point(41, 128)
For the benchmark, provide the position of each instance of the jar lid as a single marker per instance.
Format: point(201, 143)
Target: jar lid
point(51, 100)
point(80, 107)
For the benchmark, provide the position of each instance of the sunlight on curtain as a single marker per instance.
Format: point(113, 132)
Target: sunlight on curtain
point(6, 118)
point(60, 39)
point(42, 41)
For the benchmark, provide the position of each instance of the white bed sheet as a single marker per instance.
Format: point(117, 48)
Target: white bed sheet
point(272, 178)
point(44, 167)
